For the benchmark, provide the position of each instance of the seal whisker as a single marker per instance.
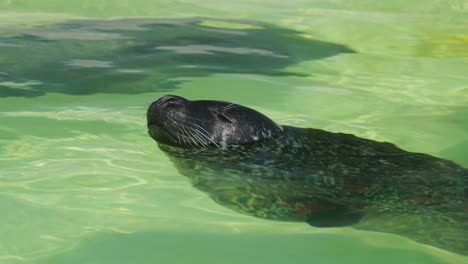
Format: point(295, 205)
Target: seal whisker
point(187, 143)
point(183, 138)
point(181, 134)
point(199, 133)
point(199, 139)
point(202, 129)
point(185, 132)
point(193, 118)
point(197, 136)
point(178, 137)
point(188, 136)
point(230, 106)
point(202, 134)
point(179, 128)
point(186, 140)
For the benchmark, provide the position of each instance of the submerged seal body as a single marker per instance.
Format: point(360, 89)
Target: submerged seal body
point(248, 163)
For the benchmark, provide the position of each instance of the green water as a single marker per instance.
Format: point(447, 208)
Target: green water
point(82, 182)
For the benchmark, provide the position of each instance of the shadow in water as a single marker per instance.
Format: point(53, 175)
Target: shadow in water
point(145, 55)
point(204, 248)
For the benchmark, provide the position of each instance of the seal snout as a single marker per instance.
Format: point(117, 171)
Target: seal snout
point(158, 109)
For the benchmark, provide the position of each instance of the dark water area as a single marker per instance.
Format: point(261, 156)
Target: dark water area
point(131, 56)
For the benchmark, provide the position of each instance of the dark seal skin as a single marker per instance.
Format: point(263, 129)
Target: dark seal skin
point(245, 161)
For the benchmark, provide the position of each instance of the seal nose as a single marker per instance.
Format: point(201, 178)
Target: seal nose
point(157, 109)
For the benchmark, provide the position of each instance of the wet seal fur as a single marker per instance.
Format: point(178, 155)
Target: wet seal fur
point(248, 163)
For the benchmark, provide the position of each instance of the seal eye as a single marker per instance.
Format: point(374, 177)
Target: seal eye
point(219, 114)
point(224, 118)
point(171, 102)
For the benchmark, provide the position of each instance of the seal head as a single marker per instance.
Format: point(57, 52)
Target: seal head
point(176, 121)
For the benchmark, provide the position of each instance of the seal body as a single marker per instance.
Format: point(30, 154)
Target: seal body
point(246, 162)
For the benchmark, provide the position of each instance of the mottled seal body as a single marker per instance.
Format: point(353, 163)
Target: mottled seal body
point(248, 163)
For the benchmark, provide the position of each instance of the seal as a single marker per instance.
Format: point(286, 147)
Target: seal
point(245, 161)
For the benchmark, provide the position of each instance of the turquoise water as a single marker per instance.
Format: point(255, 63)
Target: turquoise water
point(82, 182)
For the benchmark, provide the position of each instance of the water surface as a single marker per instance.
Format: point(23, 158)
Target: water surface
point(82, 182)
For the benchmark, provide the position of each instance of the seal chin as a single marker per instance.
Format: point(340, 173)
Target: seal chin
point(158, 133)
point(153, 131)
